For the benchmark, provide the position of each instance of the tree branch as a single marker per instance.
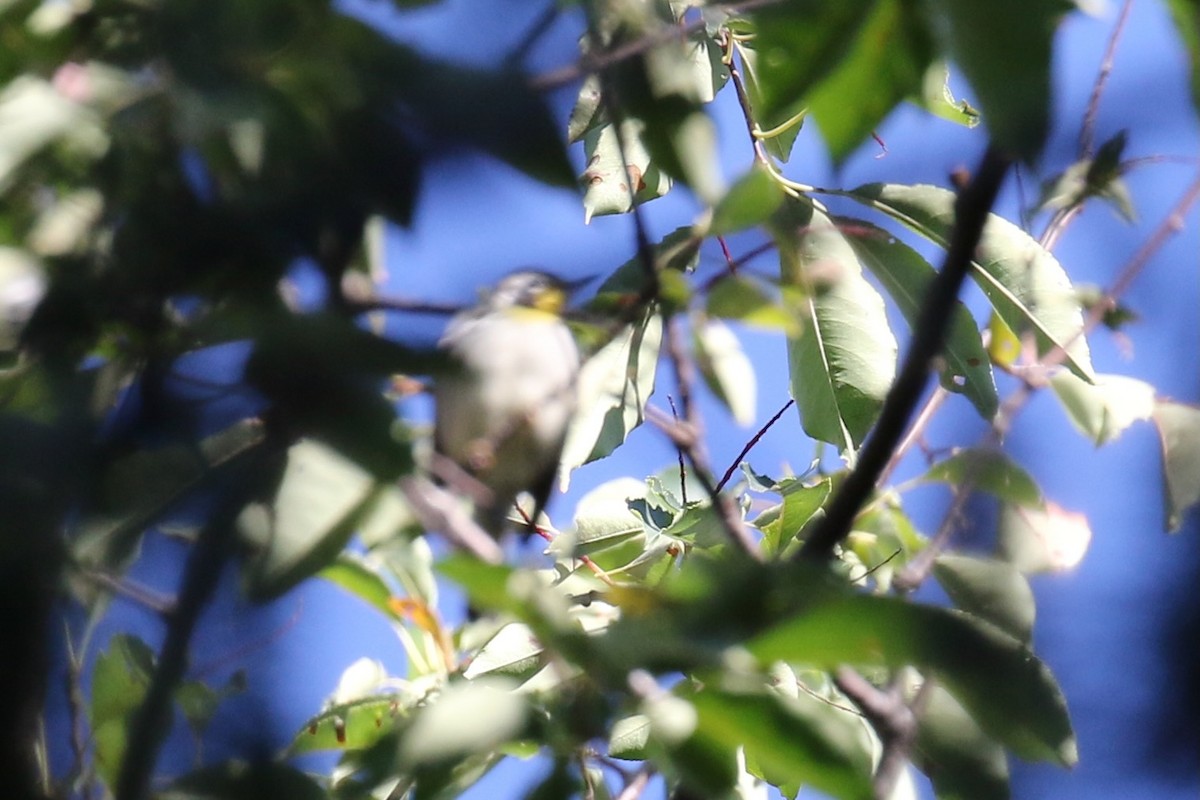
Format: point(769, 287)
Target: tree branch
point(970, 213)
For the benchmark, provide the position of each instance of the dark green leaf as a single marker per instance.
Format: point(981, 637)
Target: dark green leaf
point(241, 781)
point(119, 682)
point(1005, 688)
point(749, 202)
point(989, 470)
point(991, 590)
point(959, 758)
point(1186, 15)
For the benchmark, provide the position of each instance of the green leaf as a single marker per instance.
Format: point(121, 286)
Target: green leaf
point(322, 500)
point(989, 470)
point(1179, 432)
point(777, 131)
point(1014, 92)
point(513, 652)
point(960, 759)
point(750, 201)
point(781, 524)
point(628, 736)
point(1104, 409)
point(906, 276)
point(1025, 283)
point(740, 298)
point(614, 386)
point(437, 734)
point(119, 683)
point(613, 184)
point(32, 115)
point(885, 64)
point(353, 725)
point(1005, 688)
point(992, 590)
point(843, 362)
point(937, 98)
point(1046, 539)
point(1186, 15)
point(1092, 177)
point(352, 574)
point(237, 780)
point(790, 740)
point(726, 369)
point(588, 112)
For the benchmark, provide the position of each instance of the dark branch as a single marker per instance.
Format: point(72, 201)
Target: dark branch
point(970, 213)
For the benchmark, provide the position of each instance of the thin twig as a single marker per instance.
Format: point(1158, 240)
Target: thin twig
point(915, 432)
point(537, 30)
point(753, 441)
point(679, 454)
point(735, 77)
point(1087, 132)
point(439, 510)
point(971, 211)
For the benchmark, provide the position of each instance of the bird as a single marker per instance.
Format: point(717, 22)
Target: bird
point(503, 407)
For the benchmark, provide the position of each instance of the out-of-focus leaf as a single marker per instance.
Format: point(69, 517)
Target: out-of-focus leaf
point(791, 741)
point(350, 726)
point(906, 276)
point(885, 64)
point(1104, 409)
point(960, 759)
point(726, 369)
point(628, 736)
point(749, 202)
point(437, 734)
point(937, 98)
point(1092, 177)
point(237, 780)
point(614, 386)
point(777, 131)
point(1048, 539)
point(611, 185)
point(352, 574)
point(992, 590)
point(1012, 696)
point(844, 360)
point(322, 500)
point(1014, 92)
point(1025, 283)
point(587, 113)
point(740, 298)
point(989, 470)
point(32, 115)
point(119, 682)
point(513, 652)
point(1186, 14)
point(1179, 431)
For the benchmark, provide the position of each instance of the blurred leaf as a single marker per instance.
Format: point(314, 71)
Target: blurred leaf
point(776, 131)
point(1091, 177)
point(32, 115)
point(1043, 539)
point(437, 734)
point(989, 470)
point(937, 98)
point(240, 781)
point(1186, 15)
point(613, 184)
point(792, 741)
point(885, 64)
point(1008, 691)
point(726, 369)
point(588, 112)
point(513, 652)
point(628, 736)
point(350, 573)
point(749, 202)
point(1179, 432)
point(322, 500)
point(960, 759)
point(741, 298)
point(1025, 283)
point(352, 725)
point(119, 683)
point(199, 702)
point(991, 590)
point(965, 368)
point(614, 386)
point(842, 364)
point(1104, 409)
point(1014, 92)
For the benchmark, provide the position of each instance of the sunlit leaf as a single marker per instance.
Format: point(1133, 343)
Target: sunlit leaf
point(938, 99)
point(1104, 409)
point(726, 369)
point(352, 725)
point(119, 683)
point(614, 386)
point(513, 652)
point(1015, 700)
point(777, 131)
point(1044, 539)
point(906, 276)
point(843, 362)
point(628, 736)
point(437, 733)
point(749, 202)
point(612, 184)
point(353, 575)
point(989, 470)
point(1025, 283)
point(782, 523)
point(1179, 431)
point(740, 298)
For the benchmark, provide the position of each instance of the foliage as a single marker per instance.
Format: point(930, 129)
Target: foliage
point(167, 167)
